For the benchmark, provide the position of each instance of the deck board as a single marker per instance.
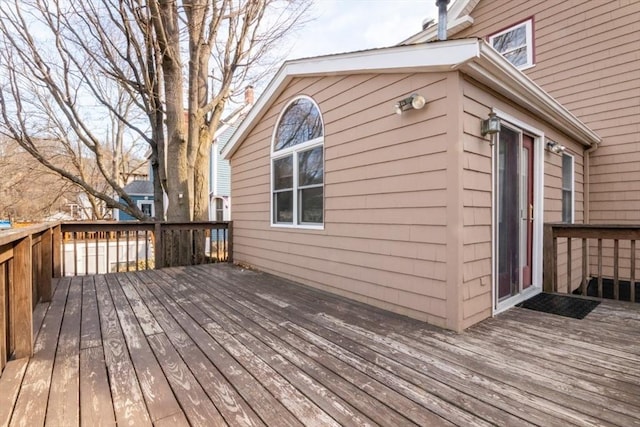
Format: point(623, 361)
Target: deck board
point(221, 345)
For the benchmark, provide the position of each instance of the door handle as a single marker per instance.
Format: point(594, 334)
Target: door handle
point(530, 212)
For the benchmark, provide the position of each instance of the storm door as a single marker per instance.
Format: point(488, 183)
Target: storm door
point(514, 213)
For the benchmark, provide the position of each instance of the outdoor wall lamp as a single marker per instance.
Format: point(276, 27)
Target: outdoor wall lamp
point(490, 126)
point(554, 147)
point(413, 102)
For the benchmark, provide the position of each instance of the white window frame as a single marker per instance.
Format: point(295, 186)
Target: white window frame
point(293, 151)
point(572, 189)
point(150, 202)
point(528, 24)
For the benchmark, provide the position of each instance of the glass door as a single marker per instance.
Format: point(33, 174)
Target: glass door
point(514, 212)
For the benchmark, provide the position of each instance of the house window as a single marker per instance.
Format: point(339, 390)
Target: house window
point(297, 163)
point(567, 188)
point(147, 208)
point(515, 44)
point(219, 209)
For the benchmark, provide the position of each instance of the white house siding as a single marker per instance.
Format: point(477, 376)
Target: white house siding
point(385, 235)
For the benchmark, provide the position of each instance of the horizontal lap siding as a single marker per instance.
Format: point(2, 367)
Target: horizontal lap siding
point(588, 58)
point(476, 290)
point(384, 239)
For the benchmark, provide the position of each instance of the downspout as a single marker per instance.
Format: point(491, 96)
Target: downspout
point(442, 19)
point(587, 182)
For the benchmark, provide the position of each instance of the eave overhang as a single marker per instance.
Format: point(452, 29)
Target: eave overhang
point(470, 56)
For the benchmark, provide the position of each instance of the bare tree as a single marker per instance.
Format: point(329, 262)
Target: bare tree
point(163, 70)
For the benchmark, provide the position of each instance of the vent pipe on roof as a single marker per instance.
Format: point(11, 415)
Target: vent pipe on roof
point(442, 19)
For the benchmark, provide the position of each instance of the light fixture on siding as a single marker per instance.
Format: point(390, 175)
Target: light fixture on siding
point(554, 147)
point(490, 126)
point(413, 102)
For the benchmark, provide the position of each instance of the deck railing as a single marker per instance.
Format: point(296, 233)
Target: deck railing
point(27, 261)
point(107, 247)
point(606, 255)
point(30, 257)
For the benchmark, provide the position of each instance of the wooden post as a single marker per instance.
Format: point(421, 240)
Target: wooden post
point(230, 244)
point(21, 299)
point(547, 258)
point(158, 250)
point(584, 268)
point(569, 266)
point(56, 251)
point(46, 270)
point(3, 315)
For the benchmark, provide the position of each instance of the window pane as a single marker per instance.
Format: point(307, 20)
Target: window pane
point(311, 205)
point(511, 39)
point(310, 167)
point(283, 206)
point(567, 188)
point(300, 123)
point(517, 57)
point(283, 173)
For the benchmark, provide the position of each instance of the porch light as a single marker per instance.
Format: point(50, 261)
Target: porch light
point(556, 148)
point(413, 102)
point(490, 126)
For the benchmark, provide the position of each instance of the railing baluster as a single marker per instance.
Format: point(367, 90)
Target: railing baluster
point(137, 248)
point(146, 249)
point(584, 267)
point(616, 282)
point(599, 268)
point(97, 256)
point(118, 233)
point(75, 254)
point(632, 280)
point(569, 256)
point(86, 253)
point(107, 253)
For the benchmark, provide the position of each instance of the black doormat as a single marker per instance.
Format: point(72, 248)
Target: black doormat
point(561, 305)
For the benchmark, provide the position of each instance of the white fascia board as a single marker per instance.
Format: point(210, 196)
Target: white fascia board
point(435, 56)
point(441, 56)
point(493, 70)
point(431, 34)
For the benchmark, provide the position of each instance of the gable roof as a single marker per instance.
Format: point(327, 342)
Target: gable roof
point(458, 18)
point(139, 188)
point(473, 57)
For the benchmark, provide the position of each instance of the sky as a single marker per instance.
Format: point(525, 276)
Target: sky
point(348, 25)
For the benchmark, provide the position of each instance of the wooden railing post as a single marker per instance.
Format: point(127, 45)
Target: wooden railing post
point(56, 251)
point(230, 244)
point(158, 242)
point(548, 258)
point(46, 265)
point(22, 295)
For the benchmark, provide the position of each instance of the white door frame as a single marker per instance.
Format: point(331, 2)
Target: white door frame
point(538, 215)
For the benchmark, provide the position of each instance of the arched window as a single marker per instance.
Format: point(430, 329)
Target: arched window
point(297, 163)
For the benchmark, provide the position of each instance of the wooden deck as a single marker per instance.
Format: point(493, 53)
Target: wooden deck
point(218, 345)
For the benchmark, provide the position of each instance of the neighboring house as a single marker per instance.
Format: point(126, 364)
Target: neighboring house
point(369, 174)
point(142, 193)
point(220, 171)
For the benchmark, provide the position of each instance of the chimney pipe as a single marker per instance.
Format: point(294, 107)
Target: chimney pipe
point(442, 19)
point(248, 95)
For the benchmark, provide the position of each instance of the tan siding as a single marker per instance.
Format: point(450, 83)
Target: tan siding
point(385, 196)
point(477, 289)
point(588, 58)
